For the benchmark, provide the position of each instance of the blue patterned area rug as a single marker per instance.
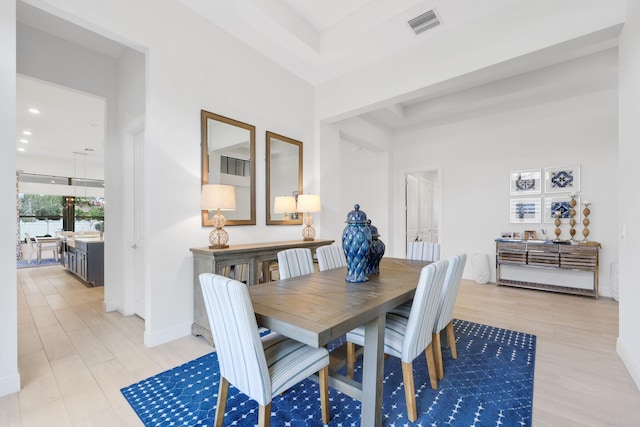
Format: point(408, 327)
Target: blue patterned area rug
point(490, 384)
point(23, 263)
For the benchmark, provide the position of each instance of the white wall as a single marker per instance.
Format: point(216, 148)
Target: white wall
point(476, 155)
point(192, 65)
point(364, 181)
point(9, 377)
point(629, 152)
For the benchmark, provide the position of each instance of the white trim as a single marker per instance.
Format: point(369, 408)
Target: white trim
point(399, 219)
point(152, 339)
point(134, 126)
point(10, 384)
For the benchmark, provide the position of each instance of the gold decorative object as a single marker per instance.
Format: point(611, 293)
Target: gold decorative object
point(572, 214)
point(308, 203)
point(557, 222)
point(586, 212)
point(218, 197)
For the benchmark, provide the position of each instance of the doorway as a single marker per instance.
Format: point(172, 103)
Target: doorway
point(69, 55)
point(423, 212)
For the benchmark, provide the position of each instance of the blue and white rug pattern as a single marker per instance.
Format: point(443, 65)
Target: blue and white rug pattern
point(45, 262)
point(490, 384)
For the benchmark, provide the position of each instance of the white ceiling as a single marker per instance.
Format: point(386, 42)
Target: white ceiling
point(322, 39)
point(319, 40)
point(69, 122)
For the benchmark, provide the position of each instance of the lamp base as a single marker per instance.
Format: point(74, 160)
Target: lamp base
point(218, 246)
point(308, 239)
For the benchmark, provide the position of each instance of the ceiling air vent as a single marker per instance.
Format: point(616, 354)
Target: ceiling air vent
point(424, 22)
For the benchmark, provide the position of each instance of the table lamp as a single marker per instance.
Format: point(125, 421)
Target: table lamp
point(284, 205)
point(218, 197)
point(308, 203)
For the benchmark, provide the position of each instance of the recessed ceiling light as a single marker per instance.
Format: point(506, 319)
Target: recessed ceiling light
point(22, 149)
point(34, 111)
point(26, 132)
point(24, 141)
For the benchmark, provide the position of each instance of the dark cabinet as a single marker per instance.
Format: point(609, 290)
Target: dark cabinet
point(86, 260)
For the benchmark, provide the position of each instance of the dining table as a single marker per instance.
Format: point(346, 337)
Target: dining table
point(318, 308)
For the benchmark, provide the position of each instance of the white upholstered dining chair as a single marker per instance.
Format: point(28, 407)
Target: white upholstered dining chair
point(423, 251)
point(444, 316)
point(408, 337)
point(330, 256)
point(261, 368)
point(295, 262)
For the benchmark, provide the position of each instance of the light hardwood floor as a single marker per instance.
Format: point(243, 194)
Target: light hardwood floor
point(74, 357)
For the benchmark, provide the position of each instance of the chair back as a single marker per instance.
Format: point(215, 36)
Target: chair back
point(235, 335)
point(450, 291)
point(423, 251)
point(30, 246)
point(330, 256)
point(295, 262)
point(422, 317)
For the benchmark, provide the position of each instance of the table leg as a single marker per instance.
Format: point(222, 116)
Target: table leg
point(372, 373)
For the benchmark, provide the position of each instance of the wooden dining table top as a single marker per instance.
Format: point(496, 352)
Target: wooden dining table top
point(320, 307)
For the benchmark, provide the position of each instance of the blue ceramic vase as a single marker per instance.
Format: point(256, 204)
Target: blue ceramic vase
point(375, 252)
point(356, 242)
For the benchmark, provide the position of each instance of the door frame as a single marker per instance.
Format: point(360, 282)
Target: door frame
point(400, 247)
point(130, 267)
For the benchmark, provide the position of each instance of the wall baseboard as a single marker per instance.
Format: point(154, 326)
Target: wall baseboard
point(630, 362)
point(152, 339)
point(10, 384)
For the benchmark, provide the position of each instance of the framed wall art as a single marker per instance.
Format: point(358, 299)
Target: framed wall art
point(525, 182)
point(562, 180)
point(560, 203)
point(525, 211)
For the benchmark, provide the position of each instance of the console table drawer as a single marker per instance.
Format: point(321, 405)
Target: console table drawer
point(543, 258)
point(582, 258)
point(512, 257)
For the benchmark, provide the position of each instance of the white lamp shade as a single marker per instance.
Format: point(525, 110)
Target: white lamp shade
point(284, 204)
point(218, 196)
point(308, 203)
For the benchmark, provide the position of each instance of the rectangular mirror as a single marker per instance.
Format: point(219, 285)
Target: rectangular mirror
point(284, 176)
point(228, 157)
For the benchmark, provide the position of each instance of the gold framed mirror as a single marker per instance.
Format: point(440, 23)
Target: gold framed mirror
point(229, 157)
point(284, 176)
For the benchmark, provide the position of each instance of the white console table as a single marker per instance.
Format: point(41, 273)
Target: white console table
point(218, 261)
point(551, 266)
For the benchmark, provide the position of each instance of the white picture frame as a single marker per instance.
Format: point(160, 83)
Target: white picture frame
point(560, 203)
point(565, 179)
point(525, 210)
point(525, 182)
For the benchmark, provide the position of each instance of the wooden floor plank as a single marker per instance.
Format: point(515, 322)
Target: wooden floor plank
point(70, 348)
